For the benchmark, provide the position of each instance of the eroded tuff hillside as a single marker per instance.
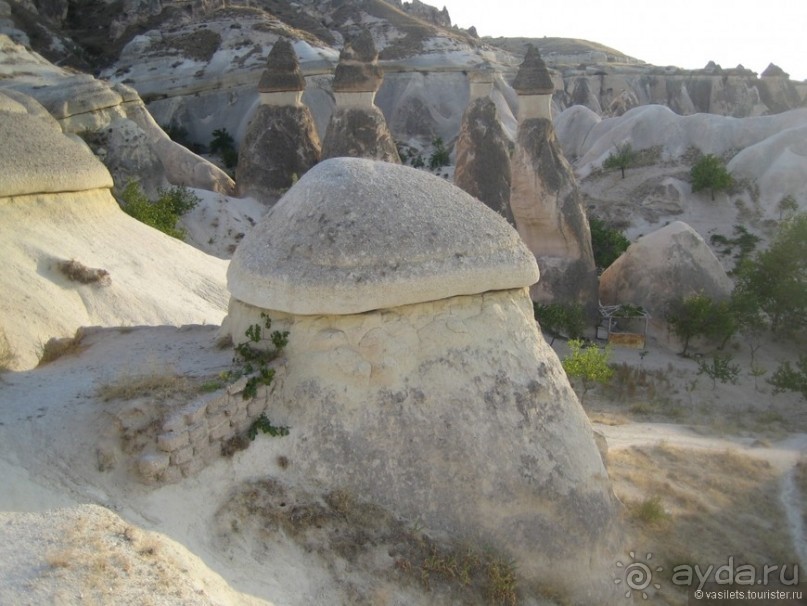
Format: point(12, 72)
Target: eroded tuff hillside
point(196, 64)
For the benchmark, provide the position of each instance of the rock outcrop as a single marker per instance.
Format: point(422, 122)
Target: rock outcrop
point(112, 118)
point(281, 143)
point(71, 257)
point(415, 375)
point(483, 154)
point(545, 200)
point(661, 269)
point(358, 128)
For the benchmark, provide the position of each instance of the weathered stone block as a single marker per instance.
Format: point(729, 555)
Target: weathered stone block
point(183, 455)
point(152, 465)
point(195, 412)
point(216, 405)
point(220, 430)
point(199, 431)
point(174, 423)
point(172, 440)
point(172, 475)
point(192, 467)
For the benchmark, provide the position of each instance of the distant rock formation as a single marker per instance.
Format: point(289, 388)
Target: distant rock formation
point(483, 155)
point(281, 143)
point(411, 331)
point(662, 268)
point(358, 128)
point(545, 200)
point(56, 212)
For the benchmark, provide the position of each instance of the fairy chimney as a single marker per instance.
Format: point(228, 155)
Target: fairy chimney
point(357, 127)
point(281, 142)
point(545, 200)
point(415, 375)
point(483, 150)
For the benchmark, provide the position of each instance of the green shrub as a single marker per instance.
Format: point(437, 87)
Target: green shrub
point(560, 319)
point(223, 144)
point(162, 214)
point(607, 243)
point(440, 156)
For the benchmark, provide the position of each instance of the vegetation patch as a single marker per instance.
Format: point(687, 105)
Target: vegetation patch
point(77, 272)
point(159, 384)
point(163, 213)
point(199, 45)
point(699, 507)
point(57, 347)
point(347, 533)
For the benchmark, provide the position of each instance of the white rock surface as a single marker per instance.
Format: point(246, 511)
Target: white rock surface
point(355, 235)
point(55, 206)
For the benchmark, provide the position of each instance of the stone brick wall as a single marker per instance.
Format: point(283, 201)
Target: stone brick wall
point(192, 436)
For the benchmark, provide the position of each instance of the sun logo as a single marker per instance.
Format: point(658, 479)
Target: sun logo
point(638, 575)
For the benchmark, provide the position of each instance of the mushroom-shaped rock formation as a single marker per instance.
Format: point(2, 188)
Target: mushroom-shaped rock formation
point(661, 269)
point(357, 128)
point(534, 87)
point(281, 142)
point(415, 375)
point(547, 204)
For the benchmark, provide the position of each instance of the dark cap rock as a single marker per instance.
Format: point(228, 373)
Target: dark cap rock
point(533, 76)
point(282, 71)
point(358, 70)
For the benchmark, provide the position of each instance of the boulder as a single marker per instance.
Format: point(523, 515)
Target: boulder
point(483, 157)
point(415, 375)
point(660, 269)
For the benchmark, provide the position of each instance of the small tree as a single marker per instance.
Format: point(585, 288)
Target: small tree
point(788, 378)
point(623, 157)
point(698, 315)
point(607, 243)
point(775, 280)
point(440, 156)
point(589, 364)
point(719, 368)
point(787, 206)
point(710, 173)
point(224, 145)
